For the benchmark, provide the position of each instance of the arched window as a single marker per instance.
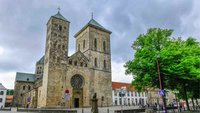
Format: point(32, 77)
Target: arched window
point(81, 64)
point(60, 28)
point(78, 47)
point(104, 63)
point(59, 46)
point(58, 59)
point(70, 61)
point(75, 63)
point(104, 46)
point(63, 47)
point(24, 87)
point(83, 44)
point(95, 43)
point(29, 87)
point(95, 62)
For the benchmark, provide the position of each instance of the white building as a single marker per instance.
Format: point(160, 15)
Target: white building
point(2, 96)
point(131, 96)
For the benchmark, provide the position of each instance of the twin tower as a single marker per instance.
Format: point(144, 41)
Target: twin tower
point(86, 72)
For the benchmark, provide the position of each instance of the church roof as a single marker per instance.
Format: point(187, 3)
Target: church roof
point(41, 61)
point(59, 16)
point(93, 23)
point(25, 77)
point(2, 87)
point(79, 55)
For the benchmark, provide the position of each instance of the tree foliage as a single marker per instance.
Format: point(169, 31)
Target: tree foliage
point(179, 61)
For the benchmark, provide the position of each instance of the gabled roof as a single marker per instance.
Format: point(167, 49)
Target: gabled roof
point(25, 77)
point(2, 87)
point(119, 85)
point(95, 24)
point(79, 55)
point(59, 16)
point(41, 61)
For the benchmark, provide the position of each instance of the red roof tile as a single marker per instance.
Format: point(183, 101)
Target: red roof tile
point(118, 85)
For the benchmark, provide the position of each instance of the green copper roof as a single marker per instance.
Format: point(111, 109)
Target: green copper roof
point(25, 77)
point(41, 61)
point(59, 16)
point(95, 23)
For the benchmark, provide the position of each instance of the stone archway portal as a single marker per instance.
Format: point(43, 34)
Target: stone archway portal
point(77, 82)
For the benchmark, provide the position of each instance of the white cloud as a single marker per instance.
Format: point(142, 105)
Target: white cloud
point(118, 73)
point(7, 79)
point(1, 51)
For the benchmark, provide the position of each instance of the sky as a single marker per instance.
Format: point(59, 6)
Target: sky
point(23, 28)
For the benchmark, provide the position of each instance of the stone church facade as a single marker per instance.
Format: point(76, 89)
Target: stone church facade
point(86, 72)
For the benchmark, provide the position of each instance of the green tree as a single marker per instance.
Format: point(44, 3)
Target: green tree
point(179, 61)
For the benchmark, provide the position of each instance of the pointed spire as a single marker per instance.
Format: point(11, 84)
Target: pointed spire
point(92, 15)
point(58, 9)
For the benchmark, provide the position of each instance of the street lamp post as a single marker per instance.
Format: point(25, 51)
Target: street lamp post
point(161, 86)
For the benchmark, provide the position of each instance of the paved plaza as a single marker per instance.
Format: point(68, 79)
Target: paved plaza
point(102, 110)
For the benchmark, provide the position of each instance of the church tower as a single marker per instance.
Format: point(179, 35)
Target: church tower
point(93, 40)
point(56, 52)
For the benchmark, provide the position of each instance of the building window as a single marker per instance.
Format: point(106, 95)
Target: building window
point(104, 63)
point(58, 46)
point(63, 47)
point(24, 87)
point(136, 94)
point(132, 93)
point(70, 62)
point(115, 92)
point(1, 100)
point(104, 46)
point(85, 65)
point(115, 101)
point(128, 93)
point(28, 78)
point(75, 63)
point(58, 59)
point(95, 62)
point(95, 43)
point(83, 44)
point(29, 87)
point(136, 102)
point(60, 28)
point(1, 93)
point(78, 47)
point(81, 64)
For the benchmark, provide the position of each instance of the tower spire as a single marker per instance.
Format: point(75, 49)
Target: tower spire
point(92, 15)
point(58, 9)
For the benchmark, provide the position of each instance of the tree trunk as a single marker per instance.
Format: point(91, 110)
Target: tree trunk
point(197, 103)
point(186, 99)
point(193, 104)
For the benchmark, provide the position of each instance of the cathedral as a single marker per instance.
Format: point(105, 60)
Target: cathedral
point(61, 80)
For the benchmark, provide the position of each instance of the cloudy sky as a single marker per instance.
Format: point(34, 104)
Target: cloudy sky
point(23, 28)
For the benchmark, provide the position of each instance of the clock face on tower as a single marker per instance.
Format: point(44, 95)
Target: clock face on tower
point(77, 81)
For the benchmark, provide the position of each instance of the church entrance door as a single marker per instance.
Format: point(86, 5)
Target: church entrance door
point(76, 102)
